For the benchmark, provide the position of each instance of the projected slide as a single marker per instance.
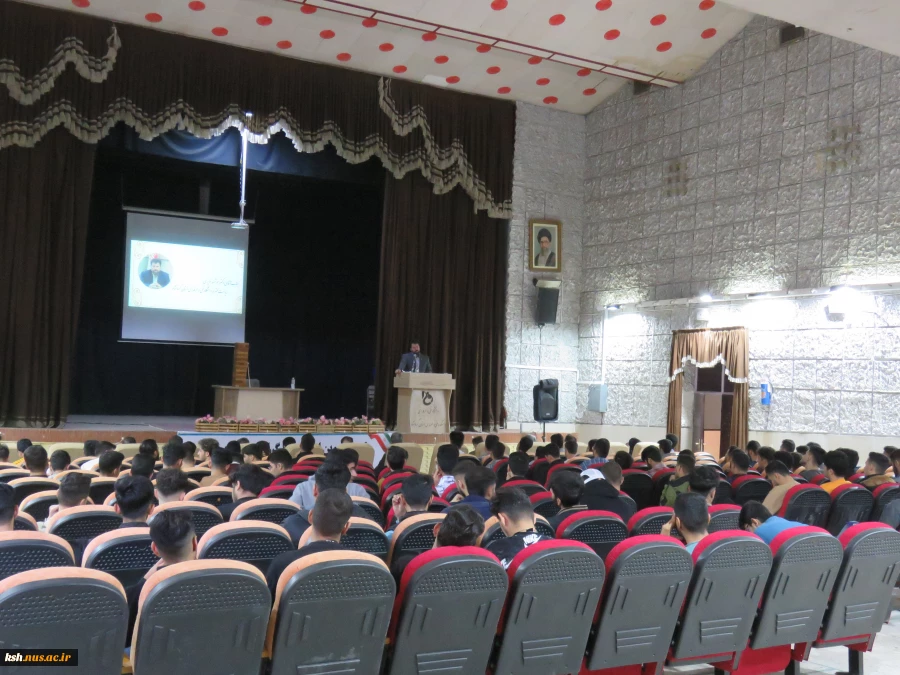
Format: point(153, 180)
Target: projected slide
point(186, 278)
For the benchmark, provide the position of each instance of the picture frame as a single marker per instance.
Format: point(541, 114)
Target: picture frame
point(551, 257)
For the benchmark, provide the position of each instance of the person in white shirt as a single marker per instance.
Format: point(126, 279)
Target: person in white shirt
point(304, 493)
point(447, 457)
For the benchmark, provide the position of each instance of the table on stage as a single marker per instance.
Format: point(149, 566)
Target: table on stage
point(256, 402)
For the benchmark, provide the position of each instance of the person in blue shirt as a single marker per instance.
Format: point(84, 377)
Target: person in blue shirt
point(691, 519)
point(756, 518)
point(479, 485)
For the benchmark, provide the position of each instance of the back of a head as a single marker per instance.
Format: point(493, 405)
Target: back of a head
point(105, 446)
point(264, 448)
point(332, 512)
point(349, 456)
point(110, 461)
point(128, 439)
point(752, 510)
point(208, 444)
point(4, 452)
point(22, 445)
point(461, 527)
point(514, 504)
point(541, 452)
point(479, 480)
point(784, 457)
point(752, 446)
point(252, 452)
point(90, 448)
point(457, 439)
point(73, 489)
point(148, 447)
point(173, 533)
point(879, 461)
point(703, 480)
point(553, 451)
point(282, 457)
point(766, 453)
point(498, 452)
point(686, 461)
point(673, 439)
point(788, 444)
point(416, 490)
point(652, 455)
point(838, 463)
point(572, 448)
point(557, 441)
point(134, 497)
point(7, 504)
point(796, 460)
point(396, 458)
point(288, 440)
point(234, 449)
point(776, 468)
point(190, 450)
point(396, 437)
point(59, 460)
point(525, 444)
point(332, 474)
point(633, 442)
point(172, 481)
point(36, 459)
point(612, 472)
point(692, 511)
point(567, 487)
point(740, 460)
point(142, 464)
point(665, 446)
point(818, 453)
point(852, 458)
point(491, 442)
point(307, 443)
point(219, 459)
point(601, 448)
point(476, 441)
point(623, 458)
point(447, 457)
point(518, 464)
point(251, 478)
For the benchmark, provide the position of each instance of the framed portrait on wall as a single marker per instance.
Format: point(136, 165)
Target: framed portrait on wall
point(545, 248)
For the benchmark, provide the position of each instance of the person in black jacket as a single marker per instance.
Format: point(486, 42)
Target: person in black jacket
point(512, 508)
point(604, 494)
point(567, 488)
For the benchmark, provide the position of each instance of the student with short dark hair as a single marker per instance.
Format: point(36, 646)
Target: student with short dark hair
point(252, 453)
point(173, 455)
point(219, 461)
point(134, 500)
point(330, 521)
point(8, 508)
point(781, 479)
point(89, 449)
point(397, 458)
point(21, 446)
point(480, 483)
point(654, 458)
point(703, 481)
point(412, 499)
point(571, 447)
point(171, 486)
point(757, 519)
point(785, 458)
point(740, 464)
point(796, 464)
point(498, 452)
point(787, 445)
point(110, 463)
point(512, 508)
point(279, 462)
point(525, 444)
point(852, 459)
point(36, 461)
point(73, 491)
point(764, 455)
point(60, 461)
point(447, 457)
point(149, 447)
point(837, 469)
point(813, 461)
point(875, 470)
point(517, 467)
point(624, 459)
point(457, 439)
point(679, 482)
point(604, 493)
point(142, 464)
point(600, 449)
point(4, 452)
point(307, 443)
point(247, 481)
point(539, 470)
point(567, 488)
point(691, 519)
point(288, 440)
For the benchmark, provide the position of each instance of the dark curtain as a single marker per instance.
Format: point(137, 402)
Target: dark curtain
point(44, 202)
point(443, 282)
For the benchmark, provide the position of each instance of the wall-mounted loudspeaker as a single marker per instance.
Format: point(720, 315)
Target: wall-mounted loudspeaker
point(546, 400)
point(547, 300)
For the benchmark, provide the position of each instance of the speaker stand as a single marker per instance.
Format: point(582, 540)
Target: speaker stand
point(544, 433)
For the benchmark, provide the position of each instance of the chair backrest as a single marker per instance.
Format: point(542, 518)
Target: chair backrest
point(75, 450)
point(804, 570)
point(197, 473)
point(291, 479)
point(724, 517)
point(78, 461)
point(210, 495)
point(808, 504)
point(862, 592)
point(723, 493)
point(629, 502)
point(355, 610)
point(849, 502)
point(415, 534)
point(67, 607)
point(441, 588)
point(416, 454)
point(123, 553)
point(24, 487)
point(269, 510)
point(252, 541)
point(38, 504)
point(529, 487)
point(24, 523)
point(365, 536)
point(647, 578)
point(884, 495)
point(204, 516)
point(366, 452)
point(7, 475)
point(202, 616)
point(564, 579)
point(650, 521)
point(750, 488)
point(101, 488)
point(559, 468)
point(387, 497)
point(277, 492)
point(371, 508)
point(544, 504)
point(83, 522)
point(818, 479)
point(23, 551)
point(600, 530)
point(128, 449)
point(638, 485)
point(394, 479)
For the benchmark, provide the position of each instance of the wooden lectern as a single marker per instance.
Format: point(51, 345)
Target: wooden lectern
point(423, 402)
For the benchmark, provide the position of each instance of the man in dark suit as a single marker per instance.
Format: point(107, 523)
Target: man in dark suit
point(155, 277)
point(414, 361)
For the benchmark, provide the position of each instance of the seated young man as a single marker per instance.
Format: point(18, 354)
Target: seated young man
point(463, 465)
point(739, 463)
point(36, 461)
point(875, 470)
point(498, 452)
point(624, 459)
point(447, 457)
point(480, 483)
point(279, 462)
point(21, 446)
point(457, 440)
point(837, 469)
point(203, 454)
point(247, 481)
point(396, 460)
point(567, 488)
point(691, 519)
point(143, 464)
point(73, 491)
point(60, 461)
point(512, 508)
point(571, 448)
point(4, 452)
point(171, 486)
point(307, 443)
point(538, 471)
point(173, 455)
point(703, 481)
point(173, 539)
point(252, 453)
point(679, 483)
point(604, 492)
point(517, 467)
point(220, 459)
point(8, 508)
point(330, 521)
point(782, 481)
point(413, 499)
point(110, 463)
point(149, 447)
point(813, 462)
point(852, 459)
point(653, 458)
point(304, 492)
point(764, 456)
point(601, 455)
point(462, 527)
point(525, 444)
point(134, 500)
point(758, 519)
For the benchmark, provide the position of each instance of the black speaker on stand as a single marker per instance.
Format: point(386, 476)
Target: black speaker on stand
point(546, 402)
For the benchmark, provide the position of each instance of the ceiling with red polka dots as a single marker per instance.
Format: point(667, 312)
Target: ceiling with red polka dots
point(569, 54)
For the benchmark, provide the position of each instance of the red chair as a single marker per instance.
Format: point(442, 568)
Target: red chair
point(559, 468)
point(268, 510)
point(638, 485)
point(601, 530)
point(723, 517)
point(884, 495)
point(395, 479)
point(544, 504)
point(849, 502)
point(529, 487)
point(499, 465)
point(649, 521)
point(277, 492)
point(750, 488)
point(450, 492)
point(808, 504)
point(857, 477)
point(291, 479)
point(387, 496)
point(818, 479)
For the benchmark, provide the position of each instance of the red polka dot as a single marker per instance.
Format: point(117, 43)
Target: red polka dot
point(196, 5)
point(493, 70)
point(557, 19)
point(81, 3)
point(584, 72)
point(453, 79)
point(153, 17)
point(664, 46)
point(326, 34)
point(603, 5)
point(343, 56)
point(219, 31)
point(308, 9)
point(589, 92)
point(483, 49)
point(497, 5)
point(504, 90)
point(534, 60)
point(707, 4)
point(441, 59)
point(264, 20)
point(612, 34)
point(429, 37)
point(386, 47)
point(550, 100)
point(369, 23)
point(543, 82)
point(284, 44)
point(708, 33)
point(399, 69)
point(658, 20)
